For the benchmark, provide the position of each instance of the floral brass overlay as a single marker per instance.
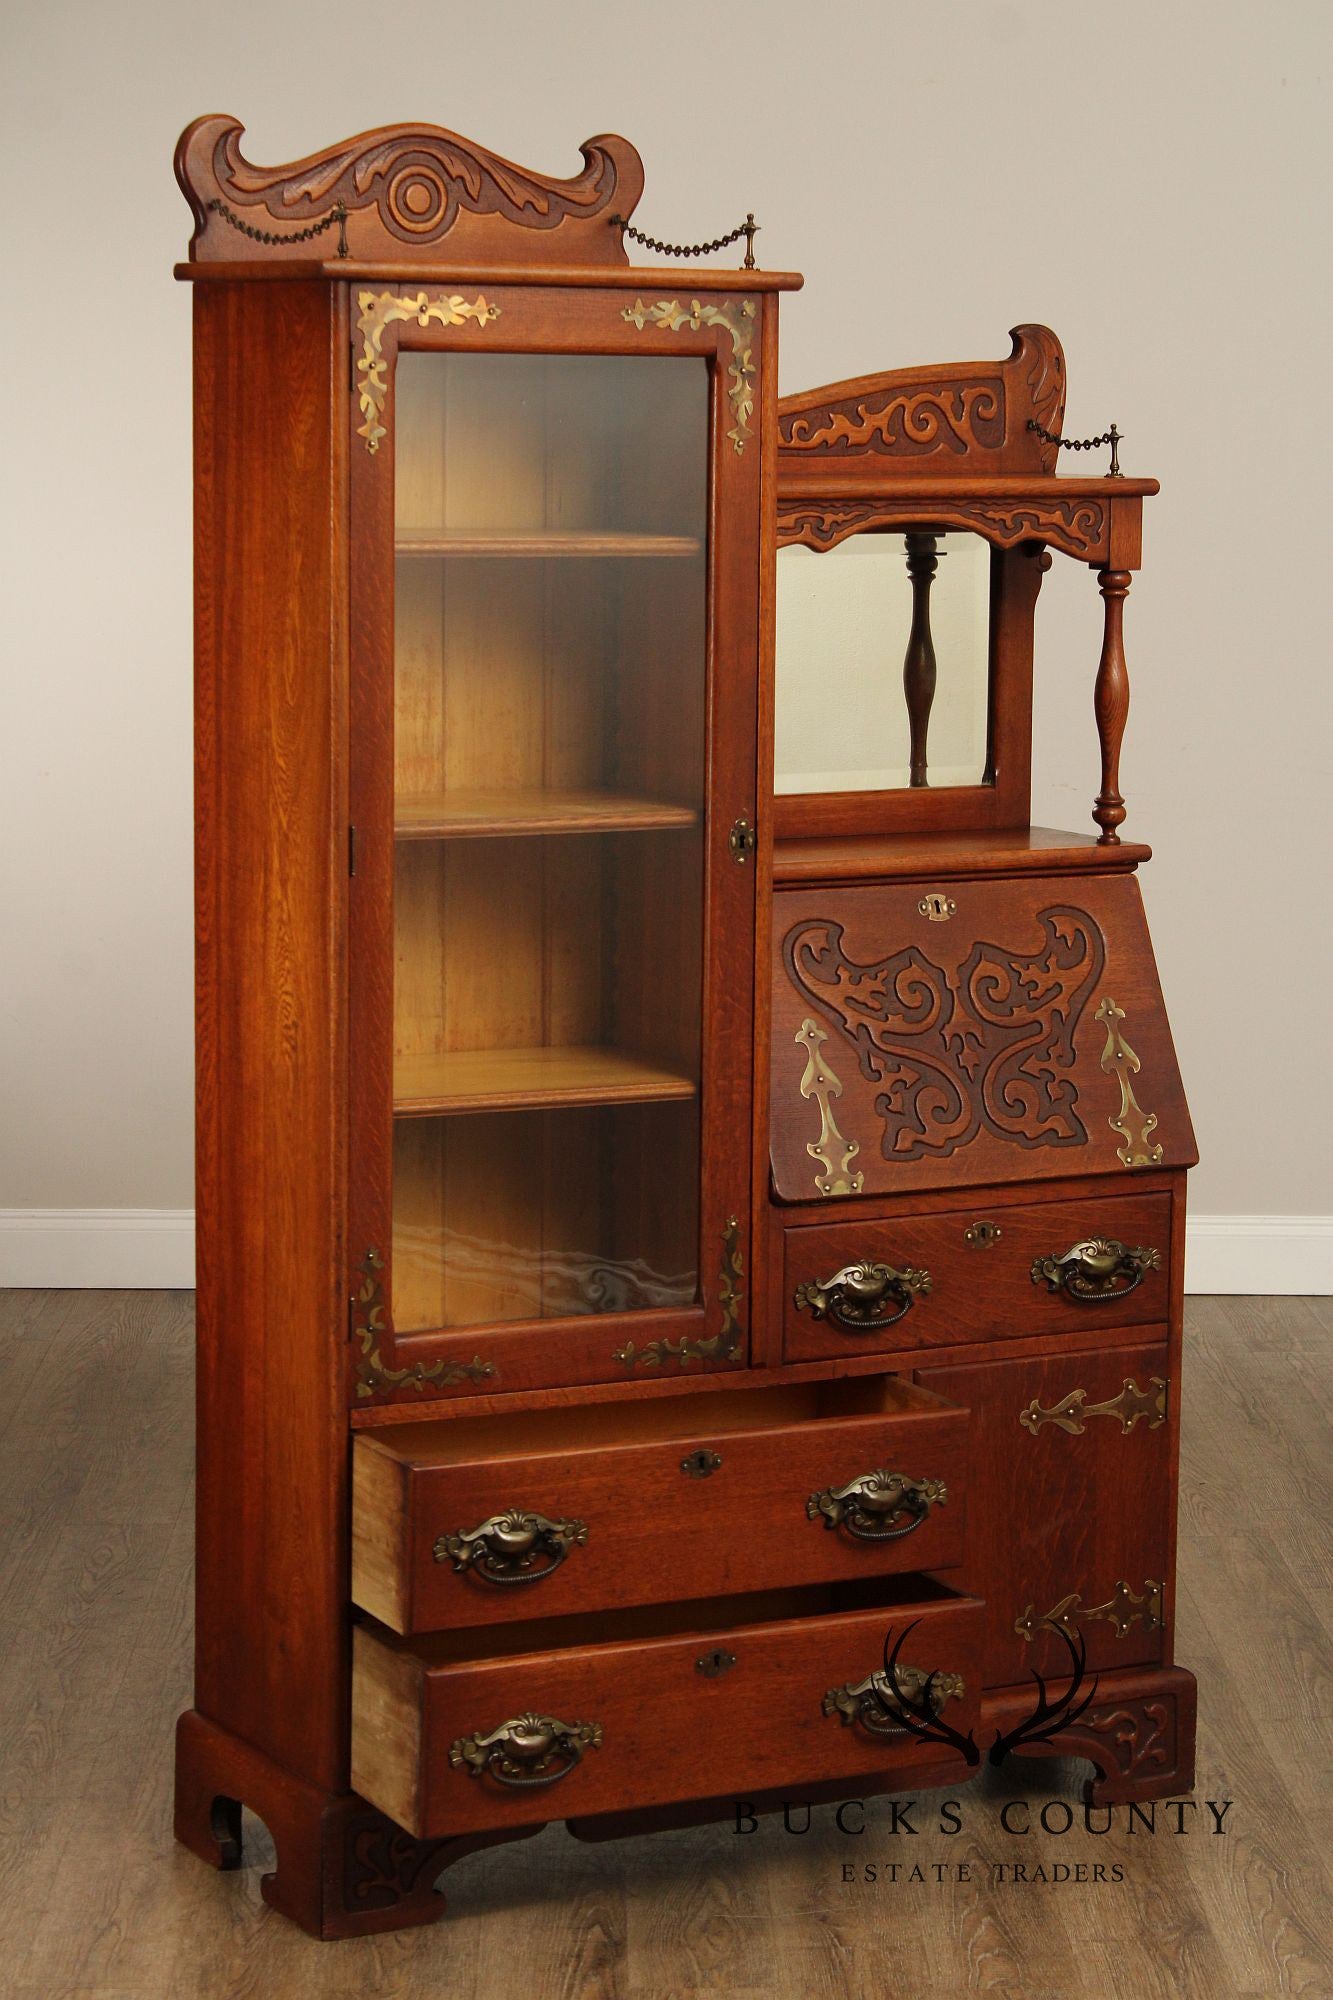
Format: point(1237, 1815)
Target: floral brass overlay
point(1125, 1608)
point(1131, 1404)
point(725, 1344)
point(872, 1507)
point(511, 1548)
point(528, 1750)
point(1135, 1125)
point(989, 1047)
point(368, 1327)
point(737, 320)
point(834, 1153)
point(381, 309)
point(873, 1702)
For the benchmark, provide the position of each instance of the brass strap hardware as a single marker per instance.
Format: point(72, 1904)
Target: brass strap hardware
point(872, 1507)
point(874, 1702)
point(742, 841)
point(507, 1548)
point(713, 1664)
point(1131, 1404)
point(725, 1344)
point(701, 1464)
point(1122, 1610)
point(938, 908)
point(832, 1152)
point(861, 1298)
point(528, 1750)
point(1096, 1270)
point(983, 1235)
point(369, 1327)
point(1119, 1060)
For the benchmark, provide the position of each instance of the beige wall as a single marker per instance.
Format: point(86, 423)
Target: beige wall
point(1143, 177)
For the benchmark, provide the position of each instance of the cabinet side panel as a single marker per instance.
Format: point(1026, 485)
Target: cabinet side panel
point(270, 838)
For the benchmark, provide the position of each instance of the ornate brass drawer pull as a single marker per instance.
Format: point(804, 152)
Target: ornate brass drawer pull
point(1096, 1270)
point(511, 1548)
point(527, 1750)
point(872, 1507)
point(1125, 1608)
point(874, 1702)
point(1071, 1410)
point(860, 1298)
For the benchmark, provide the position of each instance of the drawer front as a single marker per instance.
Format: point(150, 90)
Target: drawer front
point(454, 1748)
point(439, 1545)
point(938, 1035)
point(1072, 1512)
point(975, 1274)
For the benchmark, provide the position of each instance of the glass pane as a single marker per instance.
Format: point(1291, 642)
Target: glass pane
point(548, 893)
point(844, 622)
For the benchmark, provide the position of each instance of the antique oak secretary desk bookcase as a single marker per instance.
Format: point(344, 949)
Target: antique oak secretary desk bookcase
point(691, 1194)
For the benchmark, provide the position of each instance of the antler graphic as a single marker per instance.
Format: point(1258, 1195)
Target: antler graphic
point(1050, 1715)
point(915, 1713)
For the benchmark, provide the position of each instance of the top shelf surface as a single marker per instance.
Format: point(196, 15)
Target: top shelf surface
point(545, 542)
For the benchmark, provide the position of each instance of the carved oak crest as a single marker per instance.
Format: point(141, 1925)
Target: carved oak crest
point(403, 189)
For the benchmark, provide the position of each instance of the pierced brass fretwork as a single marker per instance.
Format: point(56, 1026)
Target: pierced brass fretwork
point(1132, 1122)
point(1122, 1610)
point(1131, 1404)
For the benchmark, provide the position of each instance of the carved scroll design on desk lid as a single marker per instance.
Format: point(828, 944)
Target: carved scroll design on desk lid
point(414, 182)
point(1122, 1610)
point(369, 1328)
point(1135, 1125)
point(736, 318)
point(1071, 1412)
point(381, 309)
point(725, 1344)
point(952, 417)
point(989, 1047)
point(832, 1152)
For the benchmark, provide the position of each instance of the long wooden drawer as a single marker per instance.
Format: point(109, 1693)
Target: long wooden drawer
point(488, 1520)
point(975, 1274)
point(449, 1737)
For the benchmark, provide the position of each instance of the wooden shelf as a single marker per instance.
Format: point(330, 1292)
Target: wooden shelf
point(545, 542)
point(529, 1079)
point(478, 815)
point(1017, 850)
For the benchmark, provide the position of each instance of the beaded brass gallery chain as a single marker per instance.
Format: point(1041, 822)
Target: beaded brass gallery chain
point(1111, 437)
point(749, 229)
point(338, 214)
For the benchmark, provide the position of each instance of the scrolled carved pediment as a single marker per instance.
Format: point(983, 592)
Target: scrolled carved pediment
point(395, 194)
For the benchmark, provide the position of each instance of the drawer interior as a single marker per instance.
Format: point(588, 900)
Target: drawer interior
point(645, 1420)
point(694, 1618)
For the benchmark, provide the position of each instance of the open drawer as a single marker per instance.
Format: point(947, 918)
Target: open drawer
point(486, 1520)
point(470, 1731)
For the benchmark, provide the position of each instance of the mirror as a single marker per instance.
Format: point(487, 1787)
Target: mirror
point(861, 628)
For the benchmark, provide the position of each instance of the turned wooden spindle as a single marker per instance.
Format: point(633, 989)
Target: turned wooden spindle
point(1111, 702)
point(919, 659)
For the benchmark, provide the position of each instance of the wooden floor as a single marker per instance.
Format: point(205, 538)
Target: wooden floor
point(95, 1899)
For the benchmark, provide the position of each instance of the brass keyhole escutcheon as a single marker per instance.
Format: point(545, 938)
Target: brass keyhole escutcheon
point(710, 1665)
point(742, 840)
point(983, 1235)
point(937, 907)
point(701, 1464)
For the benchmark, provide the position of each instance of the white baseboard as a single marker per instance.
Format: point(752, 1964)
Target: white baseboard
point(1290, 1255)
point(117, 1249)
point(153, 1249)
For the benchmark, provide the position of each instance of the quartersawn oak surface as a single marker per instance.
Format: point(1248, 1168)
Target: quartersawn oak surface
point(97, 1899)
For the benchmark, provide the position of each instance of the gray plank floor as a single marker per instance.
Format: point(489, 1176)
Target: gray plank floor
point(96, 1900)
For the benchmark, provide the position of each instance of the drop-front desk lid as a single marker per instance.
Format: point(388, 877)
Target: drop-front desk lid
point(977, 1032)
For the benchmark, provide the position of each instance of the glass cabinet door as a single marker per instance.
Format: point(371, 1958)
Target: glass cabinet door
point(549, 739)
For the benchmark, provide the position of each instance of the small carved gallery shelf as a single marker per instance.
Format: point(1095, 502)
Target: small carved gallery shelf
point(476, 815)
point(529, 1079)
point(547, 543)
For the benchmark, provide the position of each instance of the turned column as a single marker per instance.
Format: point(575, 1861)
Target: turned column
point(1111, 703)
point(919, 659)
